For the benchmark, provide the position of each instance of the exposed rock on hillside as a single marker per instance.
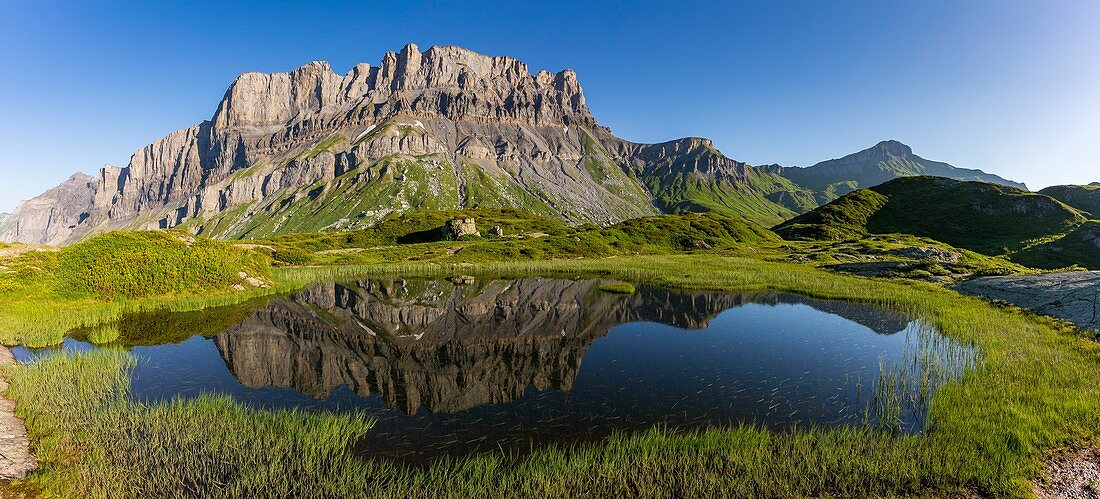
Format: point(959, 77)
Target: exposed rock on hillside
point(442, 129)
point(51, 217)
point(880, 163)
point(1072, 296)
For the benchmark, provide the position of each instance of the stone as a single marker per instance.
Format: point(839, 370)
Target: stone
point(938, 255)
point(16, 459)
point(460, 227)
point(1070, 296)
point(496, 231)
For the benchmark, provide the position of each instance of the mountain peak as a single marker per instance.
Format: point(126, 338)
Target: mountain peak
point(443, 81)
point(893, 148)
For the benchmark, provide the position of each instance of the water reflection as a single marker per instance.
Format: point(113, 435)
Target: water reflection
point(491, 365)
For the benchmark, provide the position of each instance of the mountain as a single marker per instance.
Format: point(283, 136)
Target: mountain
point(987, 218)
point(1082, 197)
point(442, 129)
point(881, 163)
point(50, 217)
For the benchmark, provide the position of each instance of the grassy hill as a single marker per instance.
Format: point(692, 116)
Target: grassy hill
point(1081, 246)
point(123, 265)
point(526, 236)
point(1083, 197)
point(987, 218)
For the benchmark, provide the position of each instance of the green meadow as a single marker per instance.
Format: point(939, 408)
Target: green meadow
point(1031, 394)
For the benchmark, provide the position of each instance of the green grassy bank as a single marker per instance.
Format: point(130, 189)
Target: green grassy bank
point(1034, 392)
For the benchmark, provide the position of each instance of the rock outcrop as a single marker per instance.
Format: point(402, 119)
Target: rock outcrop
point(1071, 296)
point(440, 129)
point(460, 227)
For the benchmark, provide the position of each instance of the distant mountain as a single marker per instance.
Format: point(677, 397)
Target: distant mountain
point(885, 161)
point(51, 216)
point(1082, 197)
point(446, 128)
point(987, 218)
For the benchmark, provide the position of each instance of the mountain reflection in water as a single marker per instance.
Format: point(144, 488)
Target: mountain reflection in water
point(449, 368)
point(448, 348)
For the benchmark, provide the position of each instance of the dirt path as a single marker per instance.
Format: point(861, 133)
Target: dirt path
point(16, 459)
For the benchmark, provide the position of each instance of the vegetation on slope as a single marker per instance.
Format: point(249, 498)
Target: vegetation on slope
point(1033, 392)
point(526, 236)
point(987, 218)
point(130, 265)
point(42, 291)
point(1083, 197)
point(762, 198)
point(1079, 247)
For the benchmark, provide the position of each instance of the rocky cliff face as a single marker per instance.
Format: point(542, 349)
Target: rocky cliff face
point(52, 216)
point(445, 128)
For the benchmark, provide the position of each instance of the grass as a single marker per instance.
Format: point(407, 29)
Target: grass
point(986, 218)
point(208, 447)
point(46, 293)
point(1033, 392)
point(1079, 247)
point(527, 237)
point(624, 288)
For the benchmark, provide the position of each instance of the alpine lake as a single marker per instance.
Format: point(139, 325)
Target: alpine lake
point(450, 367)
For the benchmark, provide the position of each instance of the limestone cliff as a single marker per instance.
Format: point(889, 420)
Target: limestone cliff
point(445, 128)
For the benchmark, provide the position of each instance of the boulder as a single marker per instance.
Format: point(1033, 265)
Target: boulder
point(459, 227)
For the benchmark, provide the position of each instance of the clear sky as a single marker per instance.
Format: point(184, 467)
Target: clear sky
point(1010, 87)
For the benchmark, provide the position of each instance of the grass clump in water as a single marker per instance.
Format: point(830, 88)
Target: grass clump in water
point(618, 287)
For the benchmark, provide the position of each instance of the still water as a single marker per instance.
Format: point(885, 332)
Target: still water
point(448, 368)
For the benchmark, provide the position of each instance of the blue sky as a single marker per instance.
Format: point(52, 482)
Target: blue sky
point(1009, 87)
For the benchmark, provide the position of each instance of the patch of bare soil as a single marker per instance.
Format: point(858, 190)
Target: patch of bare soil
point(1071, 476)
point(16, 459)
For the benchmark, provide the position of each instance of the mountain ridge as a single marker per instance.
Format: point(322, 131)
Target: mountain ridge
point(880, 163)
point(445, 128)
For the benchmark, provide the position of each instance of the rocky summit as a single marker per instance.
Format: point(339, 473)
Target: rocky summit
point(445, 128)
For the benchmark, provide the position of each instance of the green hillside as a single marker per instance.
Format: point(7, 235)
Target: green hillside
point(987, 218)
point(526, 236)
point(1083, 197)
point(1081, 246)
point(123, 265)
